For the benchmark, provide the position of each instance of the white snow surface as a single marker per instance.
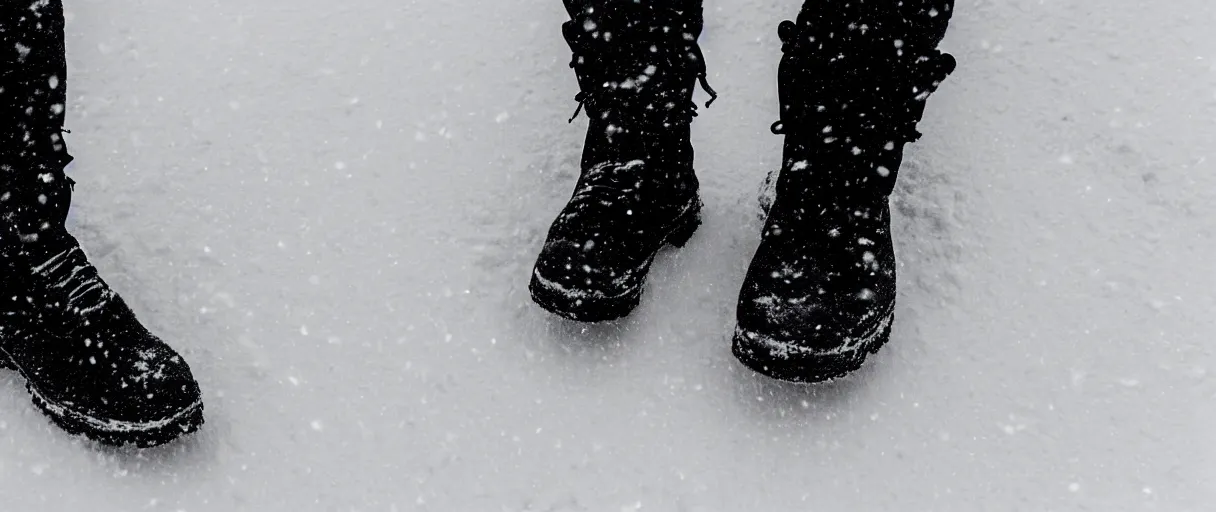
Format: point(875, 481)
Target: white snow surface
point(332, 208)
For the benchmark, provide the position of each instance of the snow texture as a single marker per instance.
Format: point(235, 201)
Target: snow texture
point(331, 209)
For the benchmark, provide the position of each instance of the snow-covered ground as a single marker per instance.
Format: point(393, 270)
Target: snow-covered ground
point(332, 208)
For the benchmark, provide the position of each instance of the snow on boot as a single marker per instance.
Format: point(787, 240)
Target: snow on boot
point(820, 292)
point(637, 63)
point(87, 361)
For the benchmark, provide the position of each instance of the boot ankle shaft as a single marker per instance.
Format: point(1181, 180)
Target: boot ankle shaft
point(615, 37)
point(840, 169)
point(33, 85)
point(576, 7)
point(637, 61)
point(655, 107)
point(666, 145)
point(927, 20)
point(35, 201)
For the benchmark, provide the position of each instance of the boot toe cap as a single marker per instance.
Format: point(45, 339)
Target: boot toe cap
point(138, 385)
point(788, 326)
point(594, 268)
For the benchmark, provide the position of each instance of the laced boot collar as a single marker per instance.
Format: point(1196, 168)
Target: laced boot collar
point(857, 73)
point(637, 62)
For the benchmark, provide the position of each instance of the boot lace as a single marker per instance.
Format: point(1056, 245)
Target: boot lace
point(857, 78)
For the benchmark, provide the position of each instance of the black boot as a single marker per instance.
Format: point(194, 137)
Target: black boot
point(88, 363)
point(820, 292)
point(637, 63)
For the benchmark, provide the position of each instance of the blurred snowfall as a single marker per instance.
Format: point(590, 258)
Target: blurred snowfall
point(332, 208)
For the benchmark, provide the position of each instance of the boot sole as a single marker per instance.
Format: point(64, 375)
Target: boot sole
point(111, 432)
point(585, 306)
point(789, 361)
